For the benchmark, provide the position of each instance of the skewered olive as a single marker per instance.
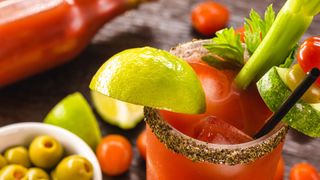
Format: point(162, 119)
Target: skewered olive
point(294, 78)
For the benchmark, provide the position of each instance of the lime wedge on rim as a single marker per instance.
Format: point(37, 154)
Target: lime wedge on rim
point(115, 112)
point(74, 114)
point(151, 77)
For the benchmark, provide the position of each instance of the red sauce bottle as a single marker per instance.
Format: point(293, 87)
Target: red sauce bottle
point(36, 35)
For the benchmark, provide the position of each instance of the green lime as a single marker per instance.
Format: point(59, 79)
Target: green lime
point(151, 77)
point(74, 114)
point(115, 112)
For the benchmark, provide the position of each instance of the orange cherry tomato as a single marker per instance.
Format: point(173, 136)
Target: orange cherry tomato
point(114, 154)
point(209, 17)
point(280, 170)
point(241, 31)
point(304, 171)
point(142, 143)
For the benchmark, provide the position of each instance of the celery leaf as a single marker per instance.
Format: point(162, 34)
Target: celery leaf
point(227, 45)
point(256, 28)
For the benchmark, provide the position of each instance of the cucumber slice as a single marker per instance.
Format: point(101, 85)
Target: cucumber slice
point(303, 117)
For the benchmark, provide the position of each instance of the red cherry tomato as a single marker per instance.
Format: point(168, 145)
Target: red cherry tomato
point(209, 17)
point(241, 31)
point(142, 143)
point(114, 154)
point(216, 84)
point(309, 54)
point(280, 170)
point(304, 171)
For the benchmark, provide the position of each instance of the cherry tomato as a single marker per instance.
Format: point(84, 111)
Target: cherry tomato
point(241, 31)
point(215, 83)
point(209, 17)
point(142, 143)
point(304, 171)
point(114, 154)
point(280, 170)
point(217, 86)
point(309, 54)
point(223, 100)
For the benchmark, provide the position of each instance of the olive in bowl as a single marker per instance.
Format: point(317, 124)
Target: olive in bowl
point(23, 134)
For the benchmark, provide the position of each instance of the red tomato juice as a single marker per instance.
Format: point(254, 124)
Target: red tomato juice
point(237, 113)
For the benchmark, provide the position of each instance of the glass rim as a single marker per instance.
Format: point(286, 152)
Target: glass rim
point(200, 151)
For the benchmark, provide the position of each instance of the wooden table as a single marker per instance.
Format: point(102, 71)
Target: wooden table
point(163, 25)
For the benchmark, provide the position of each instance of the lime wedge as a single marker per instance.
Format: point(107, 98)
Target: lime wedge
point(151, 77)
point(74, 114)
point(117, 113)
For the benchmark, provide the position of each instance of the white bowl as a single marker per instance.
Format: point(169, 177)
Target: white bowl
point(23, 134)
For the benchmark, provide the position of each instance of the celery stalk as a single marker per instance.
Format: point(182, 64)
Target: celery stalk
point(290, 24)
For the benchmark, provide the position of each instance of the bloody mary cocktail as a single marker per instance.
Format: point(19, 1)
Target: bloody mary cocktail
point(218, 82)
point(214, 145)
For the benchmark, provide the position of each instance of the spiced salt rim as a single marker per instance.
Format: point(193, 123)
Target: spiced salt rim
point(200, 151)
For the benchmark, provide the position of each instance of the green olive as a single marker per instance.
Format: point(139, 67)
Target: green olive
point(45, 152)
point(73, 167)
point(3, 162)
point(18, 155)
point(13, 172)
point(294, 78)
point(36, 174)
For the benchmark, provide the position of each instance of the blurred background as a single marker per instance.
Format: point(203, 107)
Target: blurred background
point(162, 24)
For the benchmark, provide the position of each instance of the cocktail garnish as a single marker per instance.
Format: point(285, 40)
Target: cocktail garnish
point(227, 47)
point(290, 24)
point(273, 121)
point(257, 28)
point(290, 59)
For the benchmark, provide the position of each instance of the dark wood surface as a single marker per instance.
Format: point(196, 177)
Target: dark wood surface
point(163, 25)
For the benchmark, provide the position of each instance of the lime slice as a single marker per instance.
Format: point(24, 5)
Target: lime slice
point(115, 112)
point(151, 77)
point(74, 114)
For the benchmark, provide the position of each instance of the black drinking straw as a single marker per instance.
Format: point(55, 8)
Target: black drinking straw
point(289, 103)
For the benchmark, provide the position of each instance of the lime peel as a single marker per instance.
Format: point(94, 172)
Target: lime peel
point(74, 114)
